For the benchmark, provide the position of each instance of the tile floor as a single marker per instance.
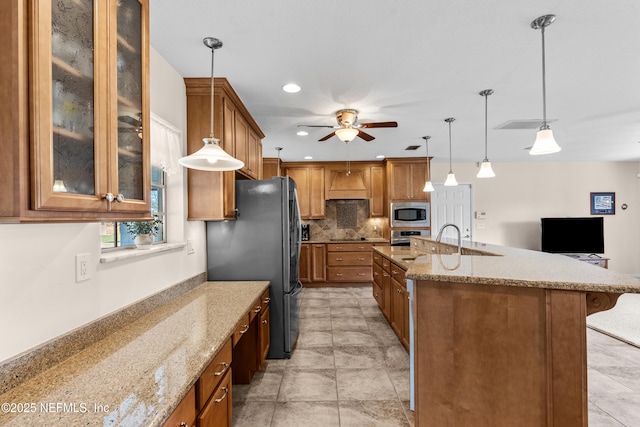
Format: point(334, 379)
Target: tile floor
point(349, 369)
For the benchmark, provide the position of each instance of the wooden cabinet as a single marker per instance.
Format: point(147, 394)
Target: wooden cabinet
point(264, 331)
point(406, 178)
point(75, 125)
point(185, 413)
point(356, 184)
point(378, 205)
point(349, 262)
point(212, 194)
point(270, 167)
point(310, 186)
point(251, 341)
point(390, 291)
point(313, 262)
point(217, 411)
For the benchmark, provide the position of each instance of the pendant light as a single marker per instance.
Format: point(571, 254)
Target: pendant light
point(485, 168)
point(451, 178)
point(545, 142)
point(211, 157)
point(428, 187)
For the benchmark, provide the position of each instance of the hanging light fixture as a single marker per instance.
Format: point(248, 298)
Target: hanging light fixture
point(451, 177)
point(211, 157)
point(347, 134)
point(545, 142)
point(485, 168)
point(428, 187)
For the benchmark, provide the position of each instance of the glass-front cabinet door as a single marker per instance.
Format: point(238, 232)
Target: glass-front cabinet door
point(89, 105)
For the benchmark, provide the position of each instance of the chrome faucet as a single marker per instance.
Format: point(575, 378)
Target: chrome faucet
point(439, 237)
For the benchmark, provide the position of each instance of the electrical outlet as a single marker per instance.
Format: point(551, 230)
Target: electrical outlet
point(82, 267)
point(480, 225)
point(190, 247)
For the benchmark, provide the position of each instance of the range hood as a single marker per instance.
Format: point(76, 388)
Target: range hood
point(346, 186)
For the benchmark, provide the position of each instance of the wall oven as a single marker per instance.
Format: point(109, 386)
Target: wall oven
point(410, 214)
point(402, 237)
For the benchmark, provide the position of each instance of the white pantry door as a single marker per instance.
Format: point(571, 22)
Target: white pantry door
point(451, 205)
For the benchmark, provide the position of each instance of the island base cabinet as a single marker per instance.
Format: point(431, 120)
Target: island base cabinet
point(499, 355)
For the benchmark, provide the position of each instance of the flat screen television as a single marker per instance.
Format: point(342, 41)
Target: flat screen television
point(573, 235)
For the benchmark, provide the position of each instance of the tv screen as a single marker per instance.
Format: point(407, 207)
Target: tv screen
point(573, 235)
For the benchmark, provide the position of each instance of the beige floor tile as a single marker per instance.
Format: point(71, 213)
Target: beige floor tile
point(308, 385)
point(372, 414)
point(307, 414)
point(365, 384)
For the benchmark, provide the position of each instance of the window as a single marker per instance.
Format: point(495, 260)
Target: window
point(115, 234)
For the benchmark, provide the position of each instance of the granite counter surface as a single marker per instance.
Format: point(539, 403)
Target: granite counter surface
point(376, 240)
point(137, 375)
point(499, 265)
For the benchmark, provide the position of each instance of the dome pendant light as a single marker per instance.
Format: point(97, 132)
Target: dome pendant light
point(211, 157)
point(545, 142)
point(451, 178)
point(485, 168)
point(428, 187)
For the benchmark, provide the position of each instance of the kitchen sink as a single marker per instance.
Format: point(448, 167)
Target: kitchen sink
point(408, 258)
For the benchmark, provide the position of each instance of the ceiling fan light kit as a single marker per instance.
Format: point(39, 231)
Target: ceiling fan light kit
point(347, 134)
point(451, 177)
point(545, 142)
point(485, 168)
point(211, 157)
point(348, 128)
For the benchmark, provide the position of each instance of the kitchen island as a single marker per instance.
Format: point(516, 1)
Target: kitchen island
point(500, 333)
point(137, 375)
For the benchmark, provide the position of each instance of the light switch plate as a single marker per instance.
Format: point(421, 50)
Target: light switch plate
point(190, 247)
point(82, 267)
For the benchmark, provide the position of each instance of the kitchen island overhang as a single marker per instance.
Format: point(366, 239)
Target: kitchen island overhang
point(501, 340)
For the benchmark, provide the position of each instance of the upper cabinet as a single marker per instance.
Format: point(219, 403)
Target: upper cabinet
point(212, 194)
point(406, 179)
point(74, 103)
point(310, 187)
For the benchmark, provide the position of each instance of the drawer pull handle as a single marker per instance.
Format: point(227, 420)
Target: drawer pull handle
point(225, 366)
point(338, 274)
point(360, 247)
point(183, 424)
point(360, 259)
point(338, 259)
point(361, 274)
point(226, 391)
point(267, 300)
point(246, 328)
point(264, 321)
point(394, 272)
point(258, 308)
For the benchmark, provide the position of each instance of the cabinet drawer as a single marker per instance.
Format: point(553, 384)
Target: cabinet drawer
point(377, 258)
point(348, 258)
point(377, 274)
point(264, 300)
point(398, 274)
point(213, 374)
point(378, 295)
point(243, 328)
point(185, 413)
point(349, 274)
point(218, 410)
point(349, 247)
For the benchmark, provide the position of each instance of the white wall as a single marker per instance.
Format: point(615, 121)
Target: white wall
point(39, 298)
point(522, 193)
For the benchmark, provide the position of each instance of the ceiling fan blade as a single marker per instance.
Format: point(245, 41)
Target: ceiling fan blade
point(379, 125)
point(317, 126)
point(327, 137)
point(365, 136)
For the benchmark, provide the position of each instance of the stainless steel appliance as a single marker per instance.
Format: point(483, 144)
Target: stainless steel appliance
point(410, 214)
point(401, 237)
point(263, 243)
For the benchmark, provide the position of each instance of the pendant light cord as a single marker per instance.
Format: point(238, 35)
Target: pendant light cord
point(544, 86)
point(212, 85)
point(450, 167)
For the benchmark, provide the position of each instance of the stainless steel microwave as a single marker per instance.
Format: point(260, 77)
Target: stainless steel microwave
point(410, 214)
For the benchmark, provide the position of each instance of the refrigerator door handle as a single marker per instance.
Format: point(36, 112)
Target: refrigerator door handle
point(297, 289)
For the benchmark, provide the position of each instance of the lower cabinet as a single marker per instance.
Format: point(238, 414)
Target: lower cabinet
point(217, 411)
point(251, 341)
point(185, 413)
point(390, 291)
point(349, 262)
point(313, 262)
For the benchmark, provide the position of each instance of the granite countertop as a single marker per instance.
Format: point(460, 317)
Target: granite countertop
point(505, 266)
point(137, 375)
point(337, 240)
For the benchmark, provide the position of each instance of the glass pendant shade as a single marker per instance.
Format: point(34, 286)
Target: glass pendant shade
point(485, 170)
point(211, 157)
point(428, 187)
point(545, 143)
point(451, 180)
point(347, 134)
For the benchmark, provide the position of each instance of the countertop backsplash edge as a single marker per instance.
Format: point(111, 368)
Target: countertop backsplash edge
point(34, 361)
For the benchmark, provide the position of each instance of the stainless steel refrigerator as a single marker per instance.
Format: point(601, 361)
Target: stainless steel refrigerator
point(263, 243)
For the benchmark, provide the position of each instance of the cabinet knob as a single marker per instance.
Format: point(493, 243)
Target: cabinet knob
point(120, 198)
point(109, 197)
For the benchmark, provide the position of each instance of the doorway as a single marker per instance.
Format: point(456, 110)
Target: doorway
point(452, 205)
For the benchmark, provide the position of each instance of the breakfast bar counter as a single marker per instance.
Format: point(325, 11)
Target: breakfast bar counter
point(137, 375)
point(500, 333)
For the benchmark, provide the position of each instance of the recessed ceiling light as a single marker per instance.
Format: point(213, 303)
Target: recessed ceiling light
point(380, 156)
point(291, 88)
point(302, 133)
point(308, 157)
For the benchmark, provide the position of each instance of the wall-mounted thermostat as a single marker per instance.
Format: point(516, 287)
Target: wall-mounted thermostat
point(481, 214)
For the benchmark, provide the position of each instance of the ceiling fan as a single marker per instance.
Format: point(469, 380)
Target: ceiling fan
point(348, 128)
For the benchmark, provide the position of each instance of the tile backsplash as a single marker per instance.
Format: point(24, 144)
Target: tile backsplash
point(346, 219)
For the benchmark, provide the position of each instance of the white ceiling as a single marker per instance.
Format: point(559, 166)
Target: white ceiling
point(418, 62)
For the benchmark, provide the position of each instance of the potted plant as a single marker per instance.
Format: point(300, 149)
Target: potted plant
point(143, 231)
